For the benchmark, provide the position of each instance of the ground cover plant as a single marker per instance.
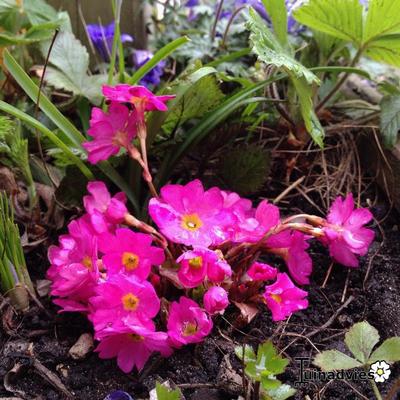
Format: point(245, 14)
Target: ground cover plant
point(197, 215)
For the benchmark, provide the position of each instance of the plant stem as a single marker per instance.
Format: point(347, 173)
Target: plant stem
point(340, 82)
point(376, 390)
point(214, 28)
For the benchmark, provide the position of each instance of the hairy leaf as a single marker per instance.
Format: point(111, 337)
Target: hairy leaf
point(390, 119)
point(388, 351)
point(340, 18)
point(269, 50)
point(361, 339)
point(283, 392)
point(333, 359)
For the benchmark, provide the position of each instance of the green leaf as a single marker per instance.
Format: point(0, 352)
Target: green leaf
point(269, 50)
point(385, 49)
point(383, 18)
point(72, 61)
point(163, 393)
point(247, 351)
point(38, 11)
point(388, 351)
point(339, 18)
point(269, 360)
point(361, 339)
point(311, 121)
point(333, 359)
point(202, 96)
point(277, 11)
point(390, 119)
point(158, 56)
point(209, 122)
point(268, 382)
point(54, 139)
point(283, 392)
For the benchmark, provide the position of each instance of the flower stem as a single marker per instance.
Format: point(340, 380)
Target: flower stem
point(376, 390)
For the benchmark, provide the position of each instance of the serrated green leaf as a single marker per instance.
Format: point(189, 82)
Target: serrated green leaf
point(202, 96)
point(163, 393)
point(361, 339)
point(340, 18)
point(390, 119)
point(277, 11)
point(333, 359)
point(388, 351)
point(69, 56)
point(269, 50)
point(283, 392)
point(247, 351)
point(383, 18)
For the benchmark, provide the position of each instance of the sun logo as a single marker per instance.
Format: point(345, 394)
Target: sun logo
point(380, 371)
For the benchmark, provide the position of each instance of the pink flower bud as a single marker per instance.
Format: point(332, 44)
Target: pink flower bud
point(216, 300)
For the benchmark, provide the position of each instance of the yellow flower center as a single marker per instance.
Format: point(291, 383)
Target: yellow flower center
point(380, 371)
point(136, 338)
point(130, 261)
point(189, 329)
point(130, 302)
point(277, 298)
point(191, 222)
point(87, 262)
point(196, 262)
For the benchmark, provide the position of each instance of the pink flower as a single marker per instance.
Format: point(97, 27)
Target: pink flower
point(191, 216)
point(73, 271)
point(142, 98)
point(215, 300)
point(345, 234)
point(197, 264)
point(283, 298)
point(187, 322)
point(133, 345)
point(102, 208)
point(129, 252)
point(123, 297)
point(261, 272)
point(110, 131)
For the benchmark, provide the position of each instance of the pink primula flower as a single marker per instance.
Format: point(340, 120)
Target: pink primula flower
point(345, 234)
point(283, 298)
point(215, 300)
point(197, 264)
point(73, 271)
point(142, 98)
point(133, 345)
point(120, 297)
point(104, 210)
point(191, 216)
point(261, 272)
point(129, 252)
point(110, 132)
point(187, 322)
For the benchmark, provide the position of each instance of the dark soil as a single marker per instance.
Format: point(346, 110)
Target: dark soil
point(205, 371)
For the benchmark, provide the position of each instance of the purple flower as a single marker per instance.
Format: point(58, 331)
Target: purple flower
point(118, 395)
point(102, 38)
point(153, 77)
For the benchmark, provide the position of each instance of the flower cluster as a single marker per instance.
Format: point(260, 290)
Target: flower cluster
point(149, 290)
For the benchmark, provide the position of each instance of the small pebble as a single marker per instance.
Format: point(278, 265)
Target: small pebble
point(82, 347)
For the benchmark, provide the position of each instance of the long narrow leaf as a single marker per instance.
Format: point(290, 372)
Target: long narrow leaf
point(9, 109)
point(62, 122)
point(158, 56)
